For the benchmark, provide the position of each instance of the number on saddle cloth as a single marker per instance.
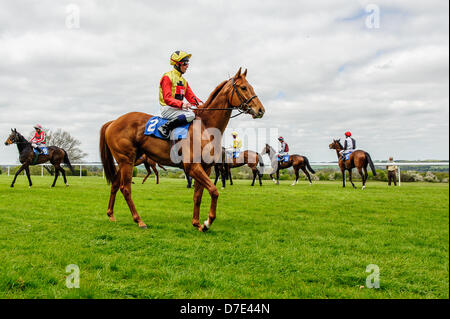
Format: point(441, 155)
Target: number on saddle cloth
point(151, 129)
point(43, 149)
point(284, 158)
point(347, 156)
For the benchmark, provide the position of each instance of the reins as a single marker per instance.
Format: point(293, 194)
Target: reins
point(243, 108)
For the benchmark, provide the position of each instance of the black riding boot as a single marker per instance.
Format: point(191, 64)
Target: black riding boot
point(171, 124)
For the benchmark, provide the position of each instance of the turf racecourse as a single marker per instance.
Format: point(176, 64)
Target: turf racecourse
point(269, 242)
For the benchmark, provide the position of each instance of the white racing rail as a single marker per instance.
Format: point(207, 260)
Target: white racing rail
point(378, 164)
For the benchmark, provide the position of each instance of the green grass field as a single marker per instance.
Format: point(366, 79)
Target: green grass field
point(269, 242)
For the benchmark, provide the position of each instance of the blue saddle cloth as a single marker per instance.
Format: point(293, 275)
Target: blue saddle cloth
point(284, 158)
point(43, 149)
point(347, 156)
point(236, 154)
point(151, 129)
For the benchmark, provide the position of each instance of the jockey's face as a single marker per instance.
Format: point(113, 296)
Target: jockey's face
point(37, 130)
point(184, 66)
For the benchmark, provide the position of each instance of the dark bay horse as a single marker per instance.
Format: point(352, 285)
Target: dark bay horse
point(149, 164)
point(251, 159)
point(123, 140)
point(359, 159)
point(56, 156)
point(296, 161)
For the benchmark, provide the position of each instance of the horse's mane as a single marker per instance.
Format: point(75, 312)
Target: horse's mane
point(215, 92)
point(21, 137)
point(212, 96)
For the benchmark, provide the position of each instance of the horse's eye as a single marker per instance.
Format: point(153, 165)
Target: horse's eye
point(243, 88)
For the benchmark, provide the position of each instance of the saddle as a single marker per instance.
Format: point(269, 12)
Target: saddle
point(284, 158)
point(178, 133)
point(44, 151)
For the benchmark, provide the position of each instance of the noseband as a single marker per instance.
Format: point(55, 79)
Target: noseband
point(243, 108)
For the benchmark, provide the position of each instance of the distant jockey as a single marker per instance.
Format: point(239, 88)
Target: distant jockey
point(349, 145)
point(39, 138)
point(173, 88)
point(284, 148)
point(236, 146)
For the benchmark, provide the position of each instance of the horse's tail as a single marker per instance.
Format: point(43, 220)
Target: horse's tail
point(261, 164)
point(106, 155)
point(308, 166)
point(67, 162)
point(372, 167)
point(162, 167)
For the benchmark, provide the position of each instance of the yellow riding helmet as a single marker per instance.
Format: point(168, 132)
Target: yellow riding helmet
point(177, 56)
point(234, 134)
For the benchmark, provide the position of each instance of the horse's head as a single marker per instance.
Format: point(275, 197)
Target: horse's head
point(13, 137)
point(266, 149)
point(243, 96)
point(336, 144)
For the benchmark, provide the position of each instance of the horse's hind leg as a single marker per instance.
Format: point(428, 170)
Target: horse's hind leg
point(27, 170)
point(112, 198)
point(147, 167)
point(307, 175)
point(296, 176)
point(56, 176)
point(360, 171)
point(63, 172)
point(156, 173)
point(350, 178)
point(126, 173)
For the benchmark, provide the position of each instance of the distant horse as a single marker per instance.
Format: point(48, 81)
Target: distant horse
point(123, 140)
point(220, 169)
point(149, 163)
point(252, 159)
point(359, 159)
point(296, 161)
point(56, 156)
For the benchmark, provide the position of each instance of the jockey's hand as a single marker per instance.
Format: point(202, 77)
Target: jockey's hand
point(186, 106)
point(34, 145)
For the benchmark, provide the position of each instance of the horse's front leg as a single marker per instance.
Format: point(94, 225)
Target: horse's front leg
point(201, 177)
point(343, 177)
point(18, 172)
point(27, 169)
point(198, 193)
point(278, 176)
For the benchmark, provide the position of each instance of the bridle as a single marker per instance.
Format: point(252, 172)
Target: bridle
point(243, 108)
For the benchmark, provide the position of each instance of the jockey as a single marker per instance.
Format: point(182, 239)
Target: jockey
point(349, 145)
point(173, 88)
point(39, 138)
point(237, 143)
point(284, 148)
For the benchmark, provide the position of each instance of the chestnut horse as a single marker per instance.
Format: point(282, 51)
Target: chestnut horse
point(123, 140)
point(149, 163)
point(252, 159)
point(56, 156)
point(296, 161)
point(359, 159)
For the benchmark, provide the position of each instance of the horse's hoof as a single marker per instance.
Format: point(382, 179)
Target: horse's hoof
point(12, 186)
point(112, 219)
point(67, 185)
point(143, 226)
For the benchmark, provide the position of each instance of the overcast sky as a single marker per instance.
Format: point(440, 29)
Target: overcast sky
point(320, 68)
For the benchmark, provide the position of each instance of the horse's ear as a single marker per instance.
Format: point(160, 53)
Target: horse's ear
point(245, 73)
point(238, 74)
point(15, 130)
